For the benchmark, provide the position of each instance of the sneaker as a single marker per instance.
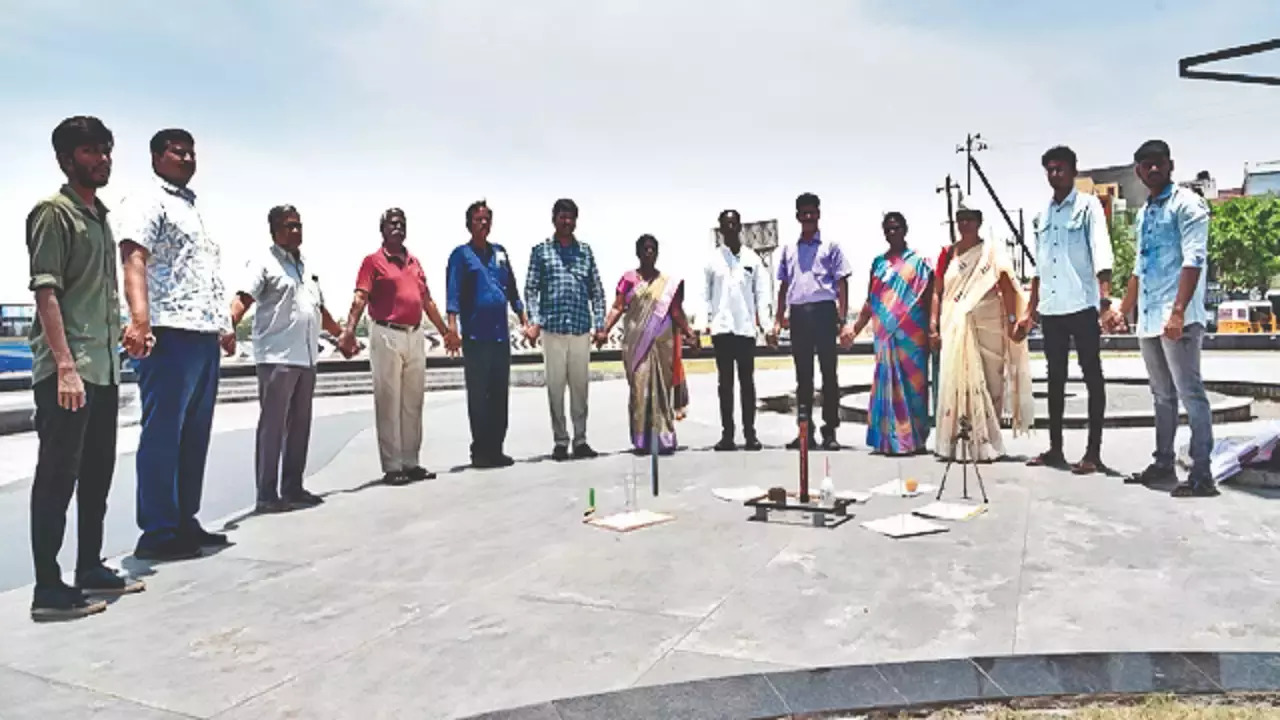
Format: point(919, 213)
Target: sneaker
point(105, 581)
point(726, 444)
point(1153, 475)
point(169, 550)
point(1200, 489)
point(560, 453)
point(752, 444)
point(60, 602)
point(304, 499)
point(418, 473)
point(584, 452)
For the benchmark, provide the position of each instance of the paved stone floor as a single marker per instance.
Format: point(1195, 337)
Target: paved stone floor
point(484, 590)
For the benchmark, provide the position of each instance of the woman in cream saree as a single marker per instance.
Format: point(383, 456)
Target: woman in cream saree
point(985, 372)
point(650, 305)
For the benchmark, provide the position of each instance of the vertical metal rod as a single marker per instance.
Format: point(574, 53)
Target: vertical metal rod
point(652, 412)
point(804, 459)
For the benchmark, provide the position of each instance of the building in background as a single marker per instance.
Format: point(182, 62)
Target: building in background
point(1261, 178)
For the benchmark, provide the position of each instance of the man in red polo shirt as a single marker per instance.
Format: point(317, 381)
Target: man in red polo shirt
point(394, 286)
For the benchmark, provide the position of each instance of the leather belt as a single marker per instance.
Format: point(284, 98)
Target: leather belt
point(398, 326)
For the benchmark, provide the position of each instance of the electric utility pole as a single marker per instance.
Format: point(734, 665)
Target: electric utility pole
point(947, 187)
point(972, 143)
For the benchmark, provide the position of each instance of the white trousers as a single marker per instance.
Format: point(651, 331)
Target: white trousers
point(399, 362)
point(567, 361)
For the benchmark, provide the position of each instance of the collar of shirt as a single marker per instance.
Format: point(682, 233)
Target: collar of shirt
point(99, 209)
point(186, 193)
point(1163, 196)
point(1069, 200)
point(405, 259)
point(815, 240)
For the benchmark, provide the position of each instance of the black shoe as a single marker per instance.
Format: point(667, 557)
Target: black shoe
point(830, 444)
point(584, 452)
point(795, 444)
point(502, 460)
point(397, 478)
point(59, 602)
point(303, 499)
point(560, 453)
point(1200, 489)
point(726, 444)
point(1153, 475)
point(105, 581)
point(273, 507)
point(169, 550)
point(205, 539)
point(752, 444)
point(418, 473)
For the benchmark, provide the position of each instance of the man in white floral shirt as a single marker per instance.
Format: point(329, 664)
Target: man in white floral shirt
point(178, 312)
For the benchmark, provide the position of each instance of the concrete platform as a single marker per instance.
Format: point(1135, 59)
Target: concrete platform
point(481, 591)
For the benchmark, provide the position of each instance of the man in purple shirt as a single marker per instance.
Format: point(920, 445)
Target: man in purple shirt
point(813, 278)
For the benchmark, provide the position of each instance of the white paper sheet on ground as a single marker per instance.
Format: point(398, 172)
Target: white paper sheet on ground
point(899, 488)
point(855, 496)
point(950, 511)
point(1230, 455)
point(739, 494)
point(628, 521)
point(904, 525)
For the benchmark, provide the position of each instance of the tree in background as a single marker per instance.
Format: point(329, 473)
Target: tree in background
point(1124, 248)
point(1244, 239)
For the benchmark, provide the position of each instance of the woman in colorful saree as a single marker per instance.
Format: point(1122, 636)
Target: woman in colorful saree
point(985, 370)
point(898, 298)
point(650, 303)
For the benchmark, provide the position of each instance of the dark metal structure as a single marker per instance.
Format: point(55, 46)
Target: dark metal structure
point(1187, 65)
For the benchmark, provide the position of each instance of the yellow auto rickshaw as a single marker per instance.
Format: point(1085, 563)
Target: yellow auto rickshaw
point(1246, 316)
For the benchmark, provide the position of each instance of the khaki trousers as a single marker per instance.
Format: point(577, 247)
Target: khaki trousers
point(567, 361)
point(399, 362)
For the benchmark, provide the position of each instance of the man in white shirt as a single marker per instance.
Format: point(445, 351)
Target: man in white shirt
point(737, 297)
point(1070, 289)
point(286, 337)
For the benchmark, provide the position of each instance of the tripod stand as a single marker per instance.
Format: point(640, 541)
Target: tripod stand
point(962, 447)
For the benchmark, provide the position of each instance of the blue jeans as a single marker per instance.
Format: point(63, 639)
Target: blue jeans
point(178, 384)
point(1174, 369)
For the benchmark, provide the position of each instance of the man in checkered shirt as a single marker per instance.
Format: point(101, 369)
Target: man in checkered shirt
point(564, 298)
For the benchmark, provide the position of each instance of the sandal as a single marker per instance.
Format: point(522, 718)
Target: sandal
point(1048, 458)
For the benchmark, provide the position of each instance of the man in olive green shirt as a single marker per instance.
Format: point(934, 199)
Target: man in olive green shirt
point(75, 372)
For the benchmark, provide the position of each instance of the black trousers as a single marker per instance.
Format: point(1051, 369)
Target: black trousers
point(77, 455)
point(487, 370)
point(813, 331)
point(735, 351)
point(1059, 331)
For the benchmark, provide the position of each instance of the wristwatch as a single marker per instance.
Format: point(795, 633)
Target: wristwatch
point(1013, 319)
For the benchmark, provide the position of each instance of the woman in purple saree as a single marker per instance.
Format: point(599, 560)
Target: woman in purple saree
point(650, 304)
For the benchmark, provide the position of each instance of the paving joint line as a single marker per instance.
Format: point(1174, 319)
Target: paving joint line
point(100, 693)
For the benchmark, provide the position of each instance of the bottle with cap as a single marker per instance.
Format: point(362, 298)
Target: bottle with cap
point(827, 492)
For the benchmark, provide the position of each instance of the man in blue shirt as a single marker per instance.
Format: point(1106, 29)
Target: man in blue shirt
point(1072, 284)
point(481, 284)
point(1167, 288)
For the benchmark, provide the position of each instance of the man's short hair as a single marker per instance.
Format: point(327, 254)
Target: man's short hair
point(1152, 149)
point(160, 141)
point(968, 212)
point(894, 215)
point(807, 200)
point(1061, 153)
point(475, 207)
point(79, 131)
point(726, 213)
point(564, 205)
point(278, 213)
point(390, 213)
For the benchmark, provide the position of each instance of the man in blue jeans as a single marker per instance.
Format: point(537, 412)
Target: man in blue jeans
point(1167, 288)
point(178, 312)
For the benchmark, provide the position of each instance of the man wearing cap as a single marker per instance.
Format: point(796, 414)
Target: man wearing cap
point(286, 337)
point(392, 283)
point(1167, 288)
point(813, 277)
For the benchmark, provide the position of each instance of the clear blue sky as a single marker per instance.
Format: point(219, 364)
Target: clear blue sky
point(653, 115)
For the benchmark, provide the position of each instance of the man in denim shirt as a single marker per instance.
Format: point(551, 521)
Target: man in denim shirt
point(1168, 289)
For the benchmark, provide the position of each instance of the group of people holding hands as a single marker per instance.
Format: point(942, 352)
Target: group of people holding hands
point(965, 314)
